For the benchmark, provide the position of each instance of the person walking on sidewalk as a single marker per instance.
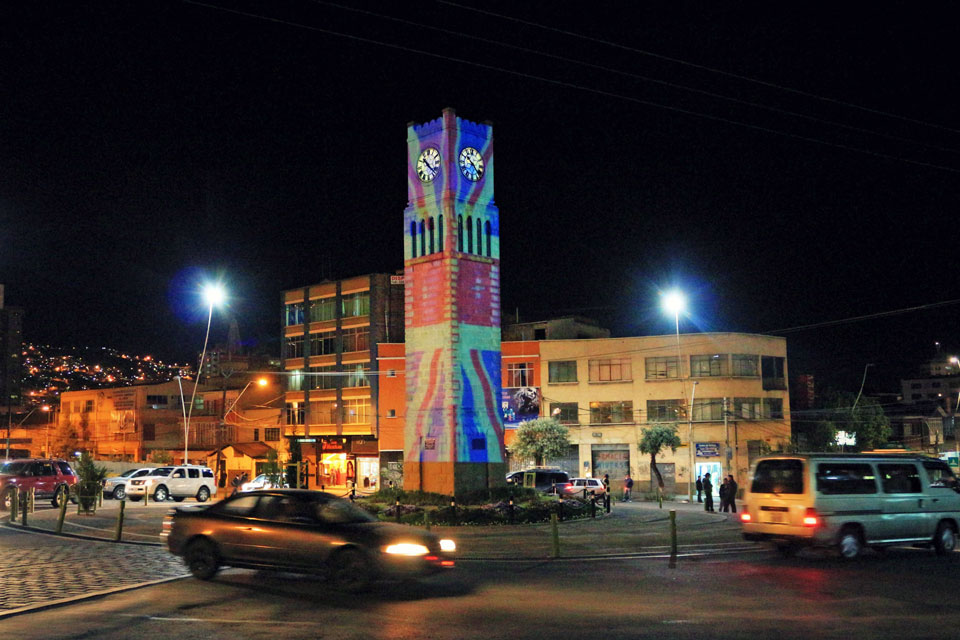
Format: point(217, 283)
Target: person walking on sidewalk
point(699, 489)
point(722, 490)
point(708, 493)
point(627, 487)
point(732, 493)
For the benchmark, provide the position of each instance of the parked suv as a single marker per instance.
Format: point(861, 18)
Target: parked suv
point(116, 486)
point(179, 482)
point(546, 480)
point(49, 479)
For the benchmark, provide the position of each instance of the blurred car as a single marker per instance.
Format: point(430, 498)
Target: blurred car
point(116, 487)
point(592, 486)
point(262, 481)
point(547, 480)
point(301, 531)
point(49, 479)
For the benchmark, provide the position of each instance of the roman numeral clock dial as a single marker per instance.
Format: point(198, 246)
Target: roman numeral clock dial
point(471, 164)
point(428, 164)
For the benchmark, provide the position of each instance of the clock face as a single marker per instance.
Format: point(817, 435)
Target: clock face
point(471, 164)
point(428, 164)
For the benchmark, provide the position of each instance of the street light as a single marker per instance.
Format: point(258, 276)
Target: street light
point(214, 295)
point(675, 303)
point(42, 407)
point(260, 381)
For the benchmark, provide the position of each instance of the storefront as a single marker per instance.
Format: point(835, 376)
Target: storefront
point(342, 463)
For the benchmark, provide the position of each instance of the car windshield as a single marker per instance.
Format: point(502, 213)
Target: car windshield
point(162, 471)
point(13, 468)
point(128, 473)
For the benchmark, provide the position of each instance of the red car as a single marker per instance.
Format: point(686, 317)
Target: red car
point(49, 479)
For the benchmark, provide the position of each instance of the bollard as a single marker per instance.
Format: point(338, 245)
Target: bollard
point(119, 532)
point(24, 508)
point(63, 514)
point(673, 538)
point(511, 510)
point(556, 535)
point(397, 507)
point(560, 509)
point(593, 507)
point(14, 503)
point(100, 496)
point(606, 502)
point(31, 500)
point(426, 520)
point(146, 496)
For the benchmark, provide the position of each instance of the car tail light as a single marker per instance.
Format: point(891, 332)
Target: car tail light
point(811, 518)
point(745, 517)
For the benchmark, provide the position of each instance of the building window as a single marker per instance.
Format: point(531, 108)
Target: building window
point(469, 234)
point(323, 412)
point(707, 409)
point(773, 408)
point(664, 410)
point(256, 435)
point(155, 402)
point(323, 379)
point(747, 408)
point(432, 234)
point(271, 434)
point(745, 365)
point(294, 314)
point(712, 365)
point(391, 413)
point(356, 411)
point(520, 374)
point(356, 304)
point(439, 233)
point(772, 372)
point(294, 413)
point(611, 412)
point(295, 380)
point(423, 240)
point(565, 412)
point(413, 239)
point(324, 343)
point(356, 339)
point(460, 234)
point(323, 310)
point(479, 237)
point(293, 347)
point(610, 370)
point(357, 375)
point(562, 371)
point(489, 237)
point(88, 405)
point(661, 367)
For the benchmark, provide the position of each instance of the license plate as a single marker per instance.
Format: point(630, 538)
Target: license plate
point(778, 517)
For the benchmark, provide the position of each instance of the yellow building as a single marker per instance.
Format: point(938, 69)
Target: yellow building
point(609, 390)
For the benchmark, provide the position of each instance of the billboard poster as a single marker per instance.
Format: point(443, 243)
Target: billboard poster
point(519, 404)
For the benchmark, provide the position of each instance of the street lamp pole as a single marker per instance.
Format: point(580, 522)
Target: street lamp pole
point(214, 296)
point(42, 407)
point(260, 381)
point(674, 303)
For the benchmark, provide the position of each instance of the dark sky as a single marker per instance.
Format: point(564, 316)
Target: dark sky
point(146, 144)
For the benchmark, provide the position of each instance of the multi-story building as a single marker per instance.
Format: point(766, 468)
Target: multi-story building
point(331, 333)
point(726, 394)
point(11, 343)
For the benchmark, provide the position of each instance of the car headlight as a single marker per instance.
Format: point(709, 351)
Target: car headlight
point(448, 545)
point(406, 549)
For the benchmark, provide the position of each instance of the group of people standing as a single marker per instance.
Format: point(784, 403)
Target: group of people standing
point(728, 493)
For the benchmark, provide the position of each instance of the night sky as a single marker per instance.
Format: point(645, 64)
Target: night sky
point(785, 164)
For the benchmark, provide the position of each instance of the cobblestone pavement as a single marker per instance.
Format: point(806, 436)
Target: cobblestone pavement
point(38, 568)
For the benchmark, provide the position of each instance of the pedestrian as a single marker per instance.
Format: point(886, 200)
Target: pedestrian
point(708, 493)
point(627, 487)
point(235, 483)
point(732, 494)
point(606, 482)
point(722, 490)
point(699, 489)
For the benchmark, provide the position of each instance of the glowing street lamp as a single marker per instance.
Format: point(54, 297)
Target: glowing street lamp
point(214, 295)
point(260, 382)
point(42, 407)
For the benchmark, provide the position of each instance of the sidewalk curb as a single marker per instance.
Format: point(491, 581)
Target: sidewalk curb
point(32, 608)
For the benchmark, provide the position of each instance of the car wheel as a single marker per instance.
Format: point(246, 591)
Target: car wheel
point(161, 494)
point(850, 544)
point(178, 498)
point(202, 559)
point(120, 492)
point(203, 494)
point(945, 540)
point(351, 571)
point(59, 496)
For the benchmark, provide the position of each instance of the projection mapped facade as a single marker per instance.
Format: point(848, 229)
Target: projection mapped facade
point(453, 440)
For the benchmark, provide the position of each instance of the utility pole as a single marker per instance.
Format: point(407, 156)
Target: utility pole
point(726, 435)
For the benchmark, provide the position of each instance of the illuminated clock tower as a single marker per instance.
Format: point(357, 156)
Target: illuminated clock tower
point(454, 429)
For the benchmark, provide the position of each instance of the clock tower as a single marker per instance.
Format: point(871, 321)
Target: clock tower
point(454, 429)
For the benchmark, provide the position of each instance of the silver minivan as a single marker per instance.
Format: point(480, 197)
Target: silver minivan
point(852, 501)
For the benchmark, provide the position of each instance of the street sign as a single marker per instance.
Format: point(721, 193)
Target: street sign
point(708, 449)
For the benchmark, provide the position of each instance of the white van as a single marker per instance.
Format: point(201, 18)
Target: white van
point(849, 501)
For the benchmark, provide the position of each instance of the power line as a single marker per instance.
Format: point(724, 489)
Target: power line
point(571, 85)
point(702, 67)
point(871, 316)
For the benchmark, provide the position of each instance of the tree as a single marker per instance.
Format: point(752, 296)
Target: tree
point(654, 440)
point(160, 456)
point(541, 439)
point(836, 412)
point(90, 478)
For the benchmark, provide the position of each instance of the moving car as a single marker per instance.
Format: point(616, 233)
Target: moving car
point(547, 480)
point(183, 481)
point(851, 501)
point(116, 487)
point(50, 479)
point(301, 531)
point(592, 487)
point(262, 481)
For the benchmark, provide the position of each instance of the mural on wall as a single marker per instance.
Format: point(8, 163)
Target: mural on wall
point(519, 404)
point(452, 295)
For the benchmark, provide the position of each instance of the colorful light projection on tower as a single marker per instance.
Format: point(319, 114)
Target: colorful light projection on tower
point(454, 428)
